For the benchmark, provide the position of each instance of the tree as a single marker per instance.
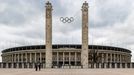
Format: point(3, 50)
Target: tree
point(93, 55)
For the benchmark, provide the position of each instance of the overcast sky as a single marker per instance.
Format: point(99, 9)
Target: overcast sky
point(111, 22)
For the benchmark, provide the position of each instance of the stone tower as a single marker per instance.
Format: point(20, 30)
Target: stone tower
point(84, 52)
point(48, 35)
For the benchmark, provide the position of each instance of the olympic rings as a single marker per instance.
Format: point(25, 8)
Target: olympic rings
point(66, 19)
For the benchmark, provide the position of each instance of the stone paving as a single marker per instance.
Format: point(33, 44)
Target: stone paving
point(67, 72)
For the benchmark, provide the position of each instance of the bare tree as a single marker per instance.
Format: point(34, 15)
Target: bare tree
point(93, 54)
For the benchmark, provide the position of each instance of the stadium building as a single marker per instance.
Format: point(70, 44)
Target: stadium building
point(64, 54)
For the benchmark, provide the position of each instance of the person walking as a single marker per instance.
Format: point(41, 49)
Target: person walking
point(39, 66)
point(36, 67)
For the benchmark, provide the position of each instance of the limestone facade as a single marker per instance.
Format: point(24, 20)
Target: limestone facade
point(65, 55)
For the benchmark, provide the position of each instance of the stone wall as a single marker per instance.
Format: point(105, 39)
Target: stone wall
point(90, 66)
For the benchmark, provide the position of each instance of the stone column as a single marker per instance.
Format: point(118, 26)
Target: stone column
point(102, 57)
point(100, 65)
point(129, 58)
point(63, 59)
point(105, 65)
point(48, 35)
point(117, 56)
point(7, 65)
point(131, 65)
point(120, 58)
point(32, 65)
point(40, 57)
point(115, 65)
point(35, 57)
point(14, 57)
point(10, 58)
point(22, 65)
point(111, 57)
point(18, 58)
point(30, 57)
point(17, 65)
point(1, 65)
point(107, 57)
point(84, 52)
point(120, 65)
point(125, 65)
point(11, 65)
point(57, 58)
point(124, 58)
point(94, 65)
point(75, 58)
point(110, 65)
point(114, 58)
point(69, 58)
point(28, 65)
point(26, 57)
point(22, 57)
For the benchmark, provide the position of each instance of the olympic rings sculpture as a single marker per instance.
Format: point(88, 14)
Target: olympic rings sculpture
point(66, 19)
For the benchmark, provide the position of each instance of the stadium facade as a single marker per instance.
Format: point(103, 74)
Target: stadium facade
point(65, 54)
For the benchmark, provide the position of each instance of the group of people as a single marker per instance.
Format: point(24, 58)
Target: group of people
point(37, 66)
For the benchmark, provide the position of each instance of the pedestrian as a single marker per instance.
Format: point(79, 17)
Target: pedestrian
point(36, 67)
point(39, 66)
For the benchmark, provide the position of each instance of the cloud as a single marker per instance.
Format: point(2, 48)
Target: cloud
point(110, 12)
point(18, 12)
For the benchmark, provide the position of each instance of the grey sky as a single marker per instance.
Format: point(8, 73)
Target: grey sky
point(22, 22)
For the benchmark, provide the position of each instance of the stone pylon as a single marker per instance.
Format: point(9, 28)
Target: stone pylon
point(84, 51)
point(48, 35)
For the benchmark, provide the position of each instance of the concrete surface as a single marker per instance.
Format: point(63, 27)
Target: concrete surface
point(67, 72)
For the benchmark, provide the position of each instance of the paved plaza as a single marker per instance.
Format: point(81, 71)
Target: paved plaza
point(67, 72)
